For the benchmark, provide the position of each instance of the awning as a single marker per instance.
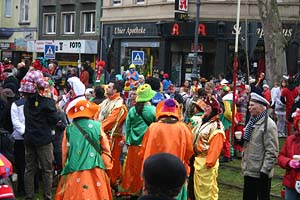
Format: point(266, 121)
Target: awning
point(5, 33)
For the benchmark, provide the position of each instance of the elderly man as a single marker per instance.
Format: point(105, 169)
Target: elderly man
point(260, 150)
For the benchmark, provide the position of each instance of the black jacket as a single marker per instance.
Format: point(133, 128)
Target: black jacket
point(40, 118)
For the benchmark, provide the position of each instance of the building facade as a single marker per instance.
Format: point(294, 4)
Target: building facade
point(168, 40)
point(73, 26)
point(18, 24)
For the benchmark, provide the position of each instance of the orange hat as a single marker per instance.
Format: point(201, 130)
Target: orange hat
point(168, 107)
point(83, 108)
point(200, 103)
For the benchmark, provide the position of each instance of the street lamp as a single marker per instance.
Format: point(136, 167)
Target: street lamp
point(194, 69)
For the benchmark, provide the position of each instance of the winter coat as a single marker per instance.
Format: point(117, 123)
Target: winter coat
point(291, 147)
point(261, 152)
point(40, 118)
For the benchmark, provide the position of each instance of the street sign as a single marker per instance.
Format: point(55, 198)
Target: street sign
point(137, 57)
point(49, 52)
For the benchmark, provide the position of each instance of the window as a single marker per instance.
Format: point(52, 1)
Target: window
point(24, 15)
point(89, 22)
point(117, 2)
point(50, 23)
point(140, 1)
point(68, 23)
point(7, 8)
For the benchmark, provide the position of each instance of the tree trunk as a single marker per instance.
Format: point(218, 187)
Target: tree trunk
point(274, 41)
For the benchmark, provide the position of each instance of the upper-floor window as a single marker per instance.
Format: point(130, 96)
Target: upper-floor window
point(24, 15)
point(7, 8)
point(68, 23)
point(117, 2)
point(89, 22)
point(140, 1)
point(50, 23)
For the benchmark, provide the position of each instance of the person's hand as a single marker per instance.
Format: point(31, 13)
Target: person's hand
point(236, 121)
point(295, 164)
point(239, 141)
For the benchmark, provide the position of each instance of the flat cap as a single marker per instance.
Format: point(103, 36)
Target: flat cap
point(254, 97)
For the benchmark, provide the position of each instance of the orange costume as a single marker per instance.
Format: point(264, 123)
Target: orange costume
point(112, 114)
point(83, 175)
point(169, 134)
point(137, 122)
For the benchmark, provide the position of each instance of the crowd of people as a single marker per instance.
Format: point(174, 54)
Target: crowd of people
point(95, 135)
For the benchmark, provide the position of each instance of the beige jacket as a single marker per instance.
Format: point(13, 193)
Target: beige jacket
point(261, 152)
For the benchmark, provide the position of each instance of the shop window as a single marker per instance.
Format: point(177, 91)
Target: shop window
point(24, 11)
point(151, 56)
point(50, 23)
point(117, 2)
point(68, 23)
point(7, 8)
point(88, 19)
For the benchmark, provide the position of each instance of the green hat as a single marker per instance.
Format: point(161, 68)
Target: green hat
point(226, 88)
point(144, 93)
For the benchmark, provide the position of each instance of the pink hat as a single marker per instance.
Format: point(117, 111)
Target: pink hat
point(166, 75)
point(32, 80)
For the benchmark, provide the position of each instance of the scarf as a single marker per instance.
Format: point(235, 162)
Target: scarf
point(252, 121)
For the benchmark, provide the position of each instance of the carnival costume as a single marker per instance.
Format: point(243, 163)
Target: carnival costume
point(100, 73)
point(83, 175)
point(208, 141)
point(226, 119)
point(136, 126)
point(132, 76)
point(170, 135)
point(112, 114)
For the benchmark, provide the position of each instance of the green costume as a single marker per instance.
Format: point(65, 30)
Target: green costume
point(82, 155)
point(135, 129)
